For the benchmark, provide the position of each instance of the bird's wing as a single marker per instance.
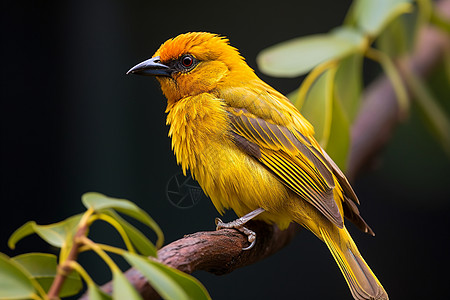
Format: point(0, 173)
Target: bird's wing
point(291, 157)
point(351, 211)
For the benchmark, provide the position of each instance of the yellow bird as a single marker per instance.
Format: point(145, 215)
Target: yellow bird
point(252, 151)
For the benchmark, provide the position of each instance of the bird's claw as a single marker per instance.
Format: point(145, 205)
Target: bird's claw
point(236, 224)
point(218, 222)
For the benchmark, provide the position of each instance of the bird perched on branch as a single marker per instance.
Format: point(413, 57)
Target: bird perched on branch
point(252, 151)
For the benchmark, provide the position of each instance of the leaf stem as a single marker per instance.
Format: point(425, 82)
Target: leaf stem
point(118, 227)
point(437, 20)
point(100, 252)
point(77, 267)
point(64, 268)
point(329, 92)
point(428, 104)
point(394, 76)
point(113, 249)
point(36, 296)
point(310, 79)
point(107, 248)
point(40, 290)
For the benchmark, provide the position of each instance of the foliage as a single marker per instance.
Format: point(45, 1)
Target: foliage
point(329, 96)
point(41, 276)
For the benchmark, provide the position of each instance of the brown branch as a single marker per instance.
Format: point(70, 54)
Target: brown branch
point(220, 252)
point(217, 252)
point(65, 269)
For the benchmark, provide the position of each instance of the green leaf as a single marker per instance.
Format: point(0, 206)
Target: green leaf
point(14, 282)
point(99, 202)
point(58, 234)
point(43, 267)
point(170, 284)
point(350, 18)
point(94, 293)
point(424, 11)
point(139, 240)
point(191, 285)
point(434, 114)
point(394, 76)
point(317, 107)
point(166, 287)
point(348, 84)
point(298, 56)
point(339, 141)
point(437, 19)
point(372, 16)
point(122, 288)
point(399, 36)
point(293, 96)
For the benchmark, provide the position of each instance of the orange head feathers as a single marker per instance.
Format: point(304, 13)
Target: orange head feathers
point(202, 45)
point(193, 63)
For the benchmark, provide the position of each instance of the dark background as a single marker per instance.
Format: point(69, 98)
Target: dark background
point(72, 122)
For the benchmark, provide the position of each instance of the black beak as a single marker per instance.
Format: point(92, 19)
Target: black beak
point(151, 67)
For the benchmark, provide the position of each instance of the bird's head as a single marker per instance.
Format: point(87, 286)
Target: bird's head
point(194, 63)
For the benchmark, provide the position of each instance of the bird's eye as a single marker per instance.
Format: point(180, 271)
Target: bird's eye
point(187, 61)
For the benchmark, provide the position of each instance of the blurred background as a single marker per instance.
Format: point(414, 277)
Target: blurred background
point(73, 122)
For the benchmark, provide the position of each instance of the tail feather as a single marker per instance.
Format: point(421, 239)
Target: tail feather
point(361, 280)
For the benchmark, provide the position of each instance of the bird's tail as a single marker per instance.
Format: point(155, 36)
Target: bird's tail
point(362, 281)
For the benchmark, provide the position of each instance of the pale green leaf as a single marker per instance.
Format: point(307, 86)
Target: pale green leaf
point(424, 11)
point(350, 35)
point(394, 76)
point(94, 293)
point(435, 116)
point(438, 19)
point(171, 284)
point(350, 18)
point(122, 288)
point(293, 96)
point(14, 282)
point(298, 56)
point(166, 287)
point(20, 233)
point(139, 240)
point(339, 141)
point(57, 234)
point(399, 36)
point(348, 84)
point(372, 16)
point(191, 285)
point(43, 268)
point(100, 202)
point(317, 106)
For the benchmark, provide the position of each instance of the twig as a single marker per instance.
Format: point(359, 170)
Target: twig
point(65, 269)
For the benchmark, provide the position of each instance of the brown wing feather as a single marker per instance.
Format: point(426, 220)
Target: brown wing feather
point(348, 190)
point(351, 211)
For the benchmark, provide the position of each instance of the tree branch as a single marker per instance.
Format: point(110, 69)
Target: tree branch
point(220, 252)
point(217, 252)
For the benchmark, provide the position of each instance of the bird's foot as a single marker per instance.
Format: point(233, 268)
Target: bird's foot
point(251, 235)
point(239, 225)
